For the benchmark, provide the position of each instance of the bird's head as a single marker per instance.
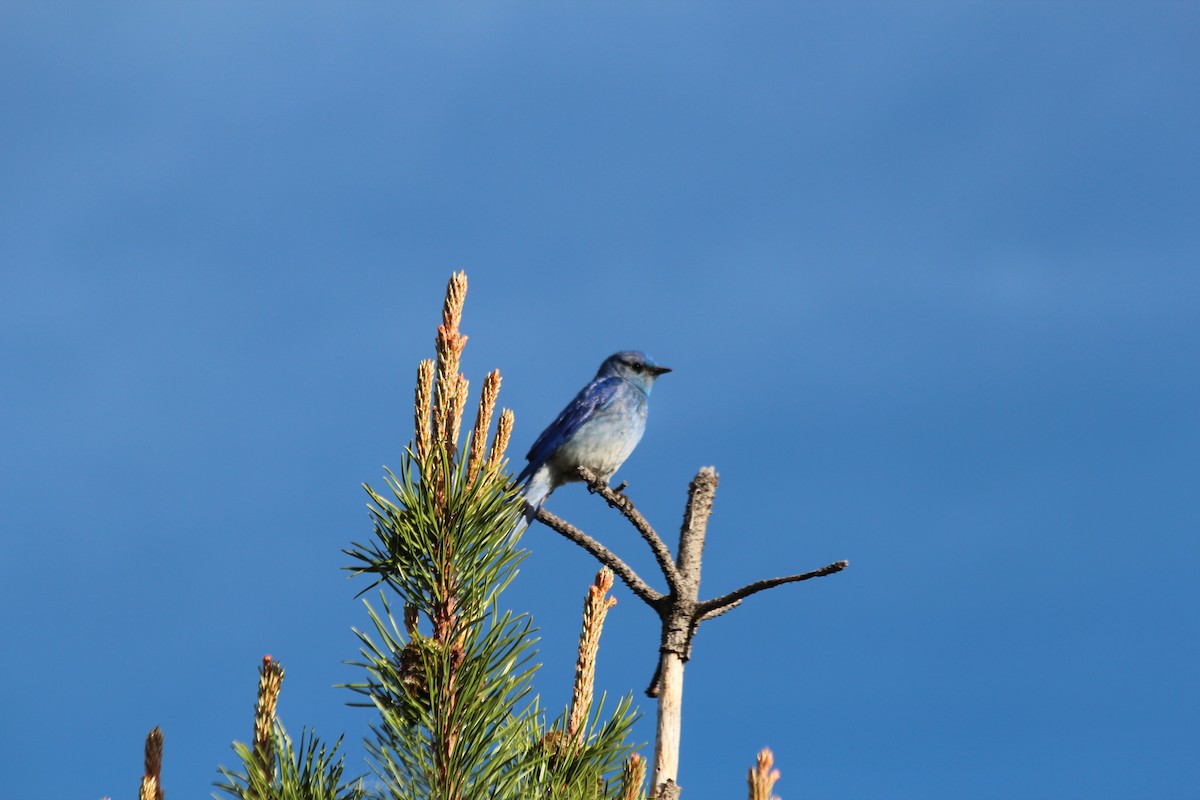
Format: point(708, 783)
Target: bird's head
point(634, 366)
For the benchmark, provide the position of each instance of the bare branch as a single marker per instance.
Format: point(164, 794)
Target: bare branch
point(680, 611)
point(603, 555)
point(623, 504)
point(716, 612)
point(695, 525)
point(707, 608)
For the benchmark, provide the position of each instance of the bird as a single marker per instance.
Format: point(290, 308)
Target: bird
point(598, 429)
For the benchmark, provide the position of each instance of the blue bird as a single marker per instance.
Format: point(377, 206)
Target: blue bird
point(597, 430)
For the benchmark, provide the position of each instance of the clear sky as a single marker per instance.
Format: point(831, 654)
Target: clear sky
point(929, 278)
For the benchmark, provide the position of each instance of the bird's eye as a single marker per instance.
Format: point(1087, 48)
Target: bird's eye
point(638, 367)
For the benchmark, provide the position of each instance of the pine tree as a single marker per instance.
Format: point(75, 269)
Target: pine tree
point(274, 768)
point(452, 681)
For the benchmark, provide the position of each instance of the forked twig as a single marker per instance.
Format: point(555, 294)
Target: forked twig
point(680, 610)
point(622, 503)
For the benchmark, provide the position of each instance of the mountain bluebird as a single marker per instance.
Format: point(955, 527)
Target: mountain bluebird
point(597, 430)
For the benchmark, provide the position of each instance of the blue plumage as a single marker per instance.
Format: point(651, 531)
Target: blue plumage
point(598, 429)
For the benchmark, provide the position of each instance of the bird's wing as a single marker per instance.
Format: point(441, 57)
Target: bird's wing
point(591, 398)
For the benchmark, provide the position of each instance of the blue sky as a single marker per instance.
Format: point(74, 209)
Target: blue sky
point(928, 277)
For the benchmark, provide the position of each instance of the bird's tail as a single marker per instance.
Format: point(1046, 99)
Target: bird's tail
point(535, 493)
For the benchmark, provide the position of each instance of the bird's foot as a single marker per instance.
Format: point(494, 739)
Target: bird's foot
point(620, 487)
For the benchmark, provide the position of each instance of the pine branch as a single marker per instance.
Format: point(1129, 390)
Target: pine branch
point(458, 719)
point(595, 609)
point(763, 776)
point(151, 788)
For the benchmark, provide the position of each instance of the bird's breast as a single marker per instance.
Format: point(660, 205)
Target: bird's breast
point(602, 444)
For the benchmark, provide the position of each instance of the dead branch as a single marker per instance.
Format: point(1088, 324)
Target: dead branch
point(623, 504)
point(603, 555)
point(680, 610)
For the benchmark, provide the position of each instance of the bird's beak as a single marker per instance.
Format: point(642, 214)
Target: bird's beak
point(656, 371)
